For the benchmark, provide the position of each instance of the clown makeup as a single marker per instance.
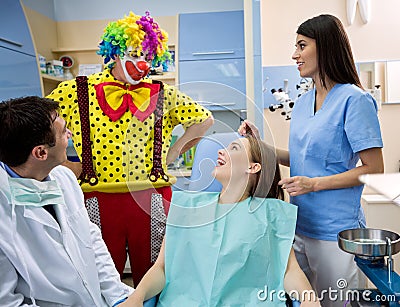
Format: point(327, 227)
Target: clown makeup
point(135, 66)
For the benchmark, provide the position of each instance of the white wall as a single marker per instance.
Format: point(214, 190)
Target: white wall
point(376, 40)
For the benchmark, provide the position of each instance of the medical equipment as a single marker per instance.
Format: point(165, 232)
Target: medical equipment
point(377, 94)
point(67, 62)
point(284, 101)
point(304, 86)
point(370, 247)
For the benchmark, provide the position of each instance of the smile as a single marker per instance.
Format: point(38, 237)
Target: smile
point(220, 162)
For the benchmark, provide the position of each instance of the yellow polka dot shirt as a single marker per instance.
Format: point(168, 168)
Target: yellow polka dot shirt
point(122, 151)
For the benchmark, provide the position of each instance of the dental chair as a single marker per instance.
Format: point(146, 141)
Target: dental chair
point(205, 159)
point(152, 302)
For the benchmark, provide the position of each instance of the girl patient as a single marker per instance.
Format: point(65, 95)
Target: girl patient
point(232, 248)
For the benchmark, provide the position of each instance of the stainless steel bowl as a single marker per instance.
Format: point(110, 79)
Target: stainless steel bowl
point(368, 242)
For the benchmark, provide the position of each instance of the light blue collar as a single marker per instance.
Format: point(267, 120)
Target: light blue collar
point(14, 174)
point(30, 192)
point(10, 171)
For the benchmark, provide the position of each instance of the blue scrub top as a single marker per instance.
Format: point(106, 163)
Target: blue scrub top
point(327, 143)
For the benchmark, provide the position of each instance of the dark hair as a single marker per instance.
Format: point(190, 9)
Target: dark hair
point(335, 58)
point(265, 182)
point(25, 123)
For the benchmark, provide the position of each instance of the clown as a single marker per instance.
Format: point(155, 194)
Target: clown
point(122, 126)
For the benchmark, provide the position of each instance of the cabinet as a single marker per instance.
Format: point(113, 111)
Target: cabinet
point(15, 33)
point(216, 84)
point(19, 70)
point(167, 77)
point(19, 75)
point(216, 35)
point(50, 83)
point(211, 59)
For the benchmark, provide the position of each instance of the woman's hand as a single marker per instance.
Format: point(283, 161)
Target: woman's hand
point(248, 128)
point(172, 155)
point(298, 185)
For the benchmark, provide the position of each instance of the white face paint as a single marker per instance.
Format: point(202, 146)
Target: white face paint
point(135, 67)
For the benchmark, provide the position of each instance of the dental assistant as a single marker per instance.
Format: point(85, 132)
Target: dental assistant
point(334, 126)
point(121, 125)
point(50, 253)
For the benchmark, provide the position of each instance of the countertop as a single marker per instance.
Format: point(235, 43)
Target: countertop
point(180, 172)
point(375, 199)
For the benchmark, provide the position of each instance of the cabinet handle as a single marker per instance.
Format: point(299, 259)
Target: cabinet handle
point(213, 53)
point(206, 103)
point(11, 42)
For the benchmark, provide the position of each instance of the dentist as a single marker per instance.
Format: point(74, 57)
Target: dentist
point(50, 253)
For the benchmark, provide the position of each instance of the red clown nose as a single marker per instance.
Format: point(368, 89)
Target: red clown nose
point(143, 65)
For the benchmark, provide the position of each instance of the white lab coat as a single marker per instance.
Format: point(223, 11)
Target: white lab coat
point(65, 264)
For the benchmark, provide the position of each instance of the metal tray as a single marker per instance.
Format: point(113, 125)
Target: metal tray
point(368, 242)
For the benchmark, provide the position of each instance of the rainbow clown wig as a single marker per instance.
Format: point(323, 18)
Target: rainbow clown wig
point(141, 33)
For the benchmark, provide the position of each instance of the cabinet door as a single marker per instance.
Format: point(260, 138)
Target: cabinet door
point(216, 84)
point(217, 35)
point(19, 75)
point(14, 32)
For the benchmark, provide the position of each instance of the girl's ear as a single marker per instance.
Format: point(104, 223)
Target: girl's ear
point(254, 168)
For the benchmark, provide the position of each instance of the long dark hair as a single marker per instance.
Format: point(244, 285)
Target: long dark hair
point(264, 183)
point(335, 58)
point(25, 123)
